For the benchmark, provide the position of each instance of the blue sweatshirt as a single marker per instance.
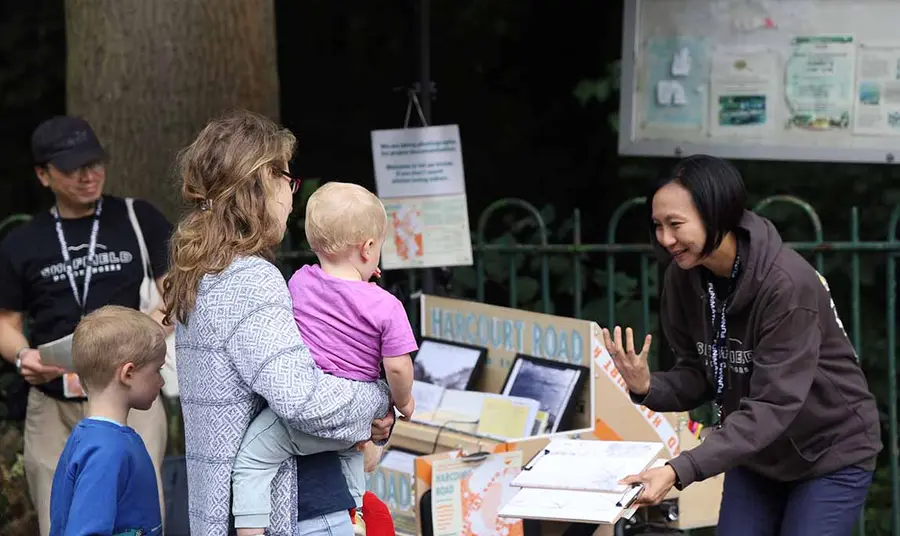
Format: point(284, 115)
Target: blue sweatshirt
point(104, 484)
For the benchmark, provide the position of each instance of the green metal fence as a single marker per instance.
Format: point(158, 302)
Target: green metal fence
point(612, 252)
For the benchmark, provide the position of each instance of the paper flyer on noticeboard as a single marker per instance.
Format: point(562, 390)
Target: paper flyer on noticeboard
point(744, 89)
point(819, 82)
point(468, 496)
point(877, 100)
point(420, 178)
point(675, 78)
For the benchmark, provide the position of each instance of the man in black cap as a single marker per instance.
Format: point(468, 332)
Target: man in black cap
point(78, 256)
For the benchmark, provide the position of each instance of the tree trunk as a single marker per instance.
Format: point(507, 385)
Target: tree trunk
point(148, 74)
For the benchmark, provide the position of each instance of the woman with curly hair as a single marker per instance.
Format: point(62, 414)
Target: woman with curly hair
point(237, 340)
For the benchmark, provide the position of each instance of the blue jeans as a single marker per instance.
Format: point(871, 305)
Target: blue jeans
point(333, 524)
point(753, 505)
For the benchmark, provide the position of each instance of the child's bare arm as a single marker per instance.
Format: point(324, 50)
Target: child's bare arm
point(399, 373)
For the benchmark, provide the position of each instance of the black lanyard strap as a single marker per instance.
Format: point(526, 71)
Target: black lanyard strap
point(81, 300)
point(718, 354)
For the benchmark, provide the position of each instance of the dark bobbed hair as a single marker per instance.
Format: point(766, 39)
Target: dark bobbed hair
point(718, 192)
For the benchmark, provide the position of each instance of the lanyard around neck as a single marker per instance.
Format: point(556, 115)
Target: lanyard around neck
point(718, 354)
point(89, 261)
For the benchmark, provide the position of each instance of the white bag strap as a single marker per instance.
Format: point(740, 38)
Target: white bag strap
point(145, 255)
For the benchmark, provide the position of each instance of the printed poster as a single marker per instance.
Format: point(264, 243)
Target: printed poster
point(819, 81)
point(427, 231)
point(419, 177)
point(878, 91)
point(676, 77)
point(743, 92)
point(466, 497)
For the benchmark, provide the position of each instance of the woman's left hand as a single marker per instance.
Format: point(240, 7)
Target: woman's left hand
point(657, 483)
point(381, 428)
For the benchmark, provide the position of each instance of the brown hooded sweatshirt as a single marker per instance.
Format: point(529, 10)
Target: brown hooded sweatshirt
point(796, 404)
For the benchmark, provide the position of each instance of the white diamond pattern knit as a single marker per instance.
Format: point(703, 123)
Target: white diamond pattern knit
point(240, 349)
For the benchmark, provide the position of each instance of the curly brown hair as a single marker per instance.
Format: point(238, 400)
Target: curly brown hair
point(226, 184)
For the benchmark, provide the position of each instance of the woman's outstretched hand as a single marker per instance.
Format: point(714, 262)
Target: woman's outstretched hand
point(631, 366)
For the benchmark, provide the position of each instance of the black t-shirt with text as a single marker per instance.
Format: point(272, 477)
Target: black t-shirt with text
point(33, 276)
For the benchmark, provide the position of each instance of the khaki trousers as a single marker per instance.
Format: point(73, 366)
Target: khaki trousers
point(48, 423)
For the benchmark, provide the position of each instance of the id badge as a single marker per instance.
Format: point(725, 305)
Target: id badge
point(72, 386)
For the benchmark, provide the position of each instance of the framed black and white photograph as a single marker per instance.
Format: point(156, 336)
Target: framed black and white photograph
point(451, 365)
point(555, 385)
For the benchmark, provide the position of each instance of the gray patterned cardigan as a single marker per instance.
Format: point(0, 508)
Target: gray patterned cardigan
point(240, 347)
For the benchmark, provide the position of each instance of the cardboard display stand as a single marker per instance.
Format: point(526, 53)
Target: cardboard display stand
point(603, 409)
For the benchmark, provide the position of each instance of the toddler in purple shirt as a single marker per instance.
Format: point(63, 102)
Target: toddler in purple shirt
point(352, 328)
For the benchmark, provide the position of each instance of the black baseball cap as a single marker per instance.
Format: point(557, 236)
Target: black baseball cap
point(66, 142)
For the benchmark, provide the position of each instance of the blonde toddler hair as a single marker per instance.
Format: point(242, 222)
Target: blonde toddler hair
point(110, 337)
point(340, 215)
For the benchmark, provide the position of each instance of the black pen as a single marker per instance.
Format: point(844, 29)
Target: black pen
point(631, 495)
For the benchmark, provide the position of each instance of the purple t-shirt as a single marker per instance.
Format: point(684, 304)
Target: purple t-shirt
point(349, 326)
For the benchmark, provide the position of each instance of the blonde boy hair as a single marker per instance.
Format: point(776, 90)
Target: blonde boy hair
point(110, 337)
point(341, 215)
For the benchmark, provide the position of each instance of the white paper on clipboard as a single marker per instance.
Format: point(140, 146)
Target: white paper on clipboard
point(568, 505)
point(565, 505)
point(587, 465)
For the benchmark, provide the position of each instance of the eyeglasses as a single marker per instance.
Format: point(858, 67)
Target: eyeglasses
point(295, 182)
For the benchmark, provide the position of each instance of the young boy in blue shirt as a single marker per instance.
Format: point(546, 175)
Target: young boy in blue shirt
point(105, 483)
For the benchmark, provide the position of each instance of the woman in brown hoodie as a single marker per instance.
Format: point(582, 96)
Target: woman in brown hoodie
point(755, 330)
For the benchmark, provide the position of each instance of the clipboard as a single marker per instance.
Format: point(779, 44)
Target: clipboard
point(566, 506)
point(571, 506)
